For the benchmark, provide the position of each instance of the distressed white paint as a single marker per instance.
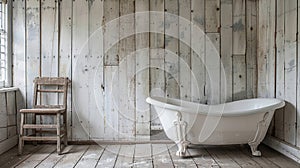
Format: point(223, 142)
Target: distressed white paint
point(96, 90)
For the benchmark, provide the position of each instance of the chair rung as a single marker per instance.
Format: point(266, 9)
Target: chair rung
point(41, 138)
point(53, 91)
point(52, 131)
point(36, 126)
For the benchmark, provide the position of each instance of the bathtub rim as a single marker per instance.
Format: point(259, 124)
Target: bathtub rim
point(153, 101)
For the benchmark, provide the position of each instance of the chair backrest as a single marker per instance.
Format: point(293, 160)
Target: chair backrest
point(57, 85)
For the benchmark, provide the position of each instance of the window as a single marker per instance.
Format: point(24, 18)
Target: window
point(4, 47)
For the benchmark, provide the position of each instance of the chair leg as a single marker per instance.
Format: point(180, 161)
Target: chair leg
point(58, 133)
point(65, 129)
point(21, 142)
point(34, 130)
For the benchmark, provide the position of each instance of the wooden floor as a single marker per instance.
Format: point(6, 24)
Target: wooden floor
point(143, 155)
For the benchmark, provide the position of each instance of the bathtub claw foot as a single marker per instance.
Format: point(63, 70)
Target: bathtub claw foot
point(256, 153)
point(182, 146)
point(254, 150)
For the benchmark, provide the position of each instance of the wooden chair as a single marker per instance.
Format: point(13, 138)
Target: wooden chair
point(56, 86)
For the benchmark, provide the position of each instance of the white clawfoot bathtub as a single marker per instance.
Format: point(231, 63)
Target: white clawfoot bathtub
point(239, 122)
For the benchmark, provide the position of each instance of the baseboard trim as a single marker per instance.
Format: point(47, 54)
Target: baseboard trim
point(286, 149)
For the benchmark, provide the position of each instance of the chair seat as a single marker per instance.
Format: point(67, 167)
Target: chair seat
point(43, 110)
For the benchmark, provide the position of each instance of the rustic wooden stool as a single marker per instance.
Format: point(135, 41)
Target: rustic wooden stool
point(58, 85)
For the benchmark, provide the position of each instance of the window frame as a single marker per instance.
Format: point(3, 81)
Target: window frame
point(7, 82)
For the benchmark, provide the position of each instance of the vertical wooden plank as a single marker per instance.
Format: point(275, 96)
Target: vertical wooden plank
point(3, 111)
point(65, 53)
point(226, 49)
point(111, 50)
point(80, 83)
point(96, 76)
point(212, 16)
point(238, 27)
point(19, 54)
point(239, 78)
point(49, 39)
point(251, 52)
point(239, 50)
point(298, 79)
point(212, 48)
point(111, 33)
point(11, 114)
point(142, 68)
point(33, 46)
point(184, 49)
point(280, 92)
point(49, 48)
point(111, 116)
point(127, 71)
point(266, 51)
point(265, 58)
point(157, 74)
point(290, 71)
point(171, 48)
point(198, 70)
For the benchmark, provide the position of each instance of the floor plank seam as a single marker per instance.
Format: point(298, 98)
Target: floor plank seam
point(28, 156)
point(117, 156)
point(45, 158)
point(81, 156)
point(61, 158)
point(215, 162)
point(100, 156)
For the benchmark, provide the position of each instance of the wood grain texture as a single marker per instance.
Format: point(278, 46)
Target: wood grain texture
point(251, 44)
point(239, 77)
point(80, 69)
point(33, 61)
point(19, 49)
point(65, 53)
point(142, 74)
point(298, 79)
point(290, 72)
point(171, 48)
point(212, 16)
point(212, 63)
point(226, 49)
point(185, 49)
point(198, 69)
point(93, 64)
point(157, 58)
point(96, 66)
point(111, 32)
point(127, 62)
point(280, 75)
point(239, 27)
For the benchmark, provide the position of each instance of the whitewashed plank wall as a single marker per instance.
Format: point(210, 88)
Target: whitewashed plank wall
point(109, 78)
point(278, 64)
